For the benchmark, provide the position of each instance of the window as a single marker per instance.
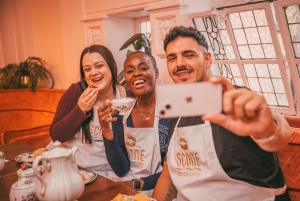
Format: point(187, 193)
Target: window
point(146, 30)
point(257, 46)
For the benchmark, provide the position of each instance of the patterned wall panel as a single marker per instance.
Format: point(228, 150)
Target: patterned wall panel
point(94, 33)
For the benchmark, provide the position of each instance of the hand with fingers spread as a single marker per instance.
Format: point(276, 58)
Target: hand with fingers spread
point(87, 99)
point(246, 112)
point(105, 113)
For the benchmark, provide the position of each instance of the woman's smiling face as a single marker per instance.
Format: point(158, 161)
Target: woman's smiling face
point(96, 71)
point(140, 73)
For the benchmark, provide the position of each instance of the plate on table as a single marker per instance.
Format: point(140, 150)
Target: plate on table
point(89, 176)
point(127, 197)
point(25, 157)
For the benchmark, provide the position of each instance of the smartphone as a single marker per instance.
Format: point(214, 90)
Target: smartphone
point(191, 99)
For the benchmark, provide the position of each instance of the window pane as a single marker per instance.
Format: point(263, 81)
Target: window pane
point(254, 84)
point(248, 19)
point(229, 71)
point(266, 79)
point(244, 52)
point(252, 36)
point(250, 70)
point(264, 34)
point(262, 70)
point(260, 17)
point(292, 14)
point(297, 49)
point(146, 30)
point(235, 20)
point(240, 37)
point(271, 99)
point(266, 85)
point(217, 38)
point(253, 33)
point(269, 51)
point(274, 70)
point(256, 51)
point(282, 100)
point(295, 32)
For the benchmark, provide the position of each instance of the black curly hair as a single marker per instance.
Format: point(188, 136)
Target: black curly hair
point(181, 31)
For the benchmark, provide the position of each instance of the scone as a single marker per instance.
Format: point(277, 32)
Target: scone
point(121, 197)
point(39, 152)
point(141, 197)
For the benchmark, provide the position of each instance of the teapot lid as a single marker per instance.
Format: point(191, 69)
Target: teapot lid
point(58, 151)
point(29, 171)
point(23, 183)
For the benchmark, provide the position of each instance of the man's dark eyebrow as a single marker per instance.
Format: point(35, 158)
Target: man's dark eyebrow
point(184, 52)
point(188, 51)
point(171, 54)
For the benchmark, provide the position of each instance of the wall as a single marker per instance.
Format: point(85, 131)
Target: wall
point(117, 31)
point(58, 30)
point(47, 34)
point(16, 35)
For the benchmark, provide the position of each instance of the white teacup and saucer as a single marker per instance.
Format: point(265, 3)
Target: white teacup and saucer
point(123, 105)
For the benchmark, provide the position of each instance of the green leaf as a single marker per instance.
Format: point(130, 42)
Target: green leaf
point(138, 45)
point(131, 40)
point(148, 50)
point(143, 41)
point(129, 52)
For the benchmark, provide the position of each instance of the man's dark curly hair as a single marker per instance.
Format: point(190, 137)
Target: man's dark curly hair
point(182, 31)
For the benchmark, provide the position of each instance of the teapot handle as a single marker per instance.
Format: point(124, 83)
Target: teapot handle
point(47, 166)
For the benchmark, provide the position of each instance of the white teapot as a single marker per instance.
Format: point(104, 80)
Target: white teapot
point(60, 180)
point(24, 188)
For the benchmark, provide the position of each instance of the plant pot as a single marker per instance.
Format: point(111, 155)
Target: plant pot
point(25, 81)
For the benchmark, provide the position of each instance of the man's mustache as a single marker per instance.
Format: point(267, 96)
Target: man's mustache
point(182, 69)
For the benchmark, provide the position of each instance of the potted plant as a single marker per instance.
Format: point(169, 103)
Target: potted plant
point(138, 41)
point(25, 74)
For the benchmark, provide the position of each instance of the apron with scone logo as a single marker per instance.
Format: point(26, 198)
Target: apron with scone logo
point(91, 156)
point(143, 151)
point(197, 173)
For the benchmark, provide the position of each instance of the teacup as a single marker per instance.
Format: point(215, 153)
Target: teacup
point(123, 105)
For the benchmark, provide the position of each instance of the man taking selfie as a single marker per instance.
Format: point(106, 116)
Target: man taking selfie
point(220, 157)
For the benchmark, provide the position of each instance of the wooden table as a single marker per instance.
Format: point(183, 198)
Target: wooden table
point(99, 189)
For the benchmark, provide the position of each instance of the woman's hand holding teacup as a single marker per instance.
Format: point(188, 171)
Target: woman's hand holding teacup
point(87, 99)
point(105, 113)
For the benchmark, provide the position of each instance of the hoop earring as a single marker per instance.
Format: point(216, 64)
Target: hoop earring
point(158, 80)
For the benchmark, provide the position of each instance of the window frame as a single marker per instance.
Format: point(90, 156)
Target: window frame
point(292, 61)
point(291, 110)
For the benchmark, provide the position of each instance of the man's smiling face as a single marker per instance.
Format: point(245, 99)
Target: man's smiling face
point(187, 61)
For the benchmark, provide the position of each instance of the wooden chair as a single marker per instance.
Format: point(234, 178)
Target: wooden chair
point(35, 137)
point(289, 159)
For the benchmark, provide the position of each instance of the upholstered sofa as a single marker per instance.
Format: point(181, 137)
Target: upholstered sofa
point(26, 116)
point(289, 159)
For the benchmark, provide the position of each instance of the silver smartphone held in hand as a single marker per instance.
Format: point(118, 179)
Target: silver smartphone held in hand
point(191, 99)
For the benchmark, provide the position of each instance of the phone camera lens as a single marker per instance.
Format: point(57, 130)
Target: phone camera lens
point(168, 106)
point(162, 112)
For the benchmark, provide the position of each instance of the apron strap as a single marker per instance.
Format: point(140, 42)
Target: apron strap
point(177, 123)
